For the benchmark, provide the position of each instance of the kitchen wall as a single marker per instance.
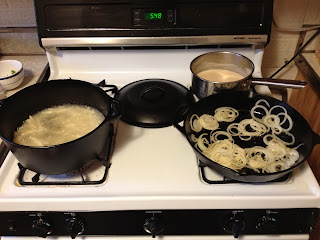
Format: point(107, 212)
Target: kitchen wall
point(18, 31)
point(289, 14)
point(17, 13)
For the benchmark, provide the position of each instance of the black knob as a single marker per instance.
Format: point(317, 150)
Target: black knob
point(153, 226)
point(267, 224)
point(74, 226)
point(235, 226)
point(41, 227)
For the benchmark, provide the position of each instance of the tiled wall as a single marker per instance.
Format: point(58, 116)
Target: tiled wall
point(17, 13)
point(287, 13)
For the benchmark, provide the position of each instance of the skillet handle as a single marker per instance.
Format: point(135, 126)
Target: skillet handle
point(315, 138)
point(181, 129)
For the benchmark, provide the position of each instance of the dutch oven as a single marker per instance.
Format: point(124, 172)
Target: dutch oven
point(66, 157)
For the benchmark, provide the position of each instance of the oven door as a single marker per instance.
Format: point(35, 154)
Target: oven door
point(251, 237)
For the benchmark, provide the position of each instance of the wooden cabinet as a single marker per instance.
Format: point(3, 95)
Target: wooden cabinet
point(307, 103)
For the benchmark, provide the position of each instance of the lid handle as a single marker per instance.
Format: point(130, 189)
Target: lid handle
point(152, 94)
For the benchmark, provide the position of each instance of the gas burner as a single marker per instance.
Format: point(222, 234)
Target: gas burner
point(209, 176)
point(92, 174)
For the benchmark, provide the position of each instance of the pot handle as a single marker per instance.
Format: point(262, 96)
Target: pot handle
point(298, 84)
point(103, 84)
point(315, 138)
point(115, 106)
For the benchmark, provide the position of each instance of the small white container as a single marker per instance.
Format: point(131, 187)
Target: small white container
point(11, 74)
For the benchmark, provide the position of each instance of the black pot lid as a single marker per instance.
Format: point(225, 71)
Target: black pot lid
point(154, 103)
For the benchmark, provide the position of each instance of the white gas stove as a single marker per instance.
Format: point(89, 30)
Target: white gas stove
point(154, 185)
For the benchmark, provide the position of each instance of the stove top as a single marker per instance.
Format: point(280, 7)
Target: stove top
point(153, 174)
point(150, 170)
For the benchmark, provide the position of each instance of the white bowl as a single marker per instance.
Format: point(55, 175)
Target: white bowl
point(11, 74)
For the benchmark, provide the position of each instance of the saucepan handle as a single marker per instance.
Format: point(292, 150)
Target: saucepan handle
point(298, 84)
point(315, 138)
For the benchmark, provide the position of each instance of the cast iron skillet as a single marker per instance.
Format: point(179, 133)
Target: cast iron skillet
point(243, 102)
point(66, 157)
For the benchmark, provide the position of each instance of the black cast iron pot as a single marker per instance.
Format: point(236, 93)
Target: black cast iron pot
point(66, 157)
point(243, 102)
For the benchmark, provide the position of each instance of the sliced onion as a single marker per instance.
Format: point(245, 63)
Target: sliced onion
point(203, 142)
point(239, 158)
point(232, 127)
point(214, 136)
point(252, 112)
point(258, 129)
point(193, 138)
point(271, 120)
point(208, 122)
point(195, 124)
point(219, 146)
point(226, 114)
point(289, 142)
point(276, 166)
point(276, 130)
point(278, 106)
point(259, 157)
point(277, 149)
point(224, 158)
point(262, 100)
point(286, 118)
point(291, 157)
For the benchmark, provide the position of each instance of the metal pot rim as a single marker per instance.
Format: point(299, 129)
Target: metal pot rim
point(228, 53)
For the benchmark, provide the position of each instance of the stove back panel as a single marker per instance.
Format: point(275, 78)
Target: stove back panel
point(106, 18)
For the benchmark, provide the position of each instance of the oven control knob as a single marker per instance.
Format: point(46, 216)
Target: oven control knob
point(74, 226)
point(41, 227)
point(235, 226)
point(153, 226)
point(267, 224)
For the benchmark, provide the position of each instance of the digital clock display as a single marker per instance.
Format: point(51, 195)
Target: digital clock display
point(153, 16)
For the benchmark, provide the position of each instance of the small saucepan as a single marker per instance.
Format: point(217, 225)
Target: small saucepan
point(220, 71)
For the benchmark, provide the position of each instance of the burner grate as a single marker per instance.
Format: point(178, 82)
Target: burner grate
point(40, 179)
point(215, 178)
